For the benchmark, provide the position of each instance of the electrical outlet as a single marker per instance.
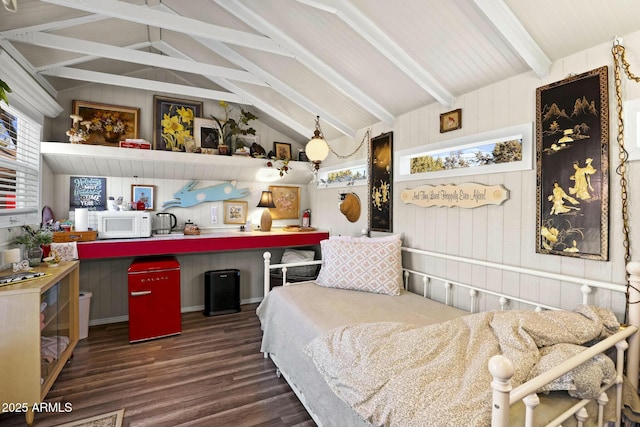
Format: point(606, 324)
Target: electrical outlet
point(214, 214)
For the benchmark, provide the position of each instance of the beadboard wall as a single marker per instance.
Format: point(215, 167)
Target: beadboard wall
point(506, 233)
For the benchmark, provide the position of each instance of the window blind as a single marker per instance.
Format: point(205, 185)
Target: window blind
point(19, 166)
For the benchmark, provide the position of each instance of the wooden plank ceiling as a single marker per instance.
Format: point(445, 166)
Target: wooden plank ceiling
point(352, 62)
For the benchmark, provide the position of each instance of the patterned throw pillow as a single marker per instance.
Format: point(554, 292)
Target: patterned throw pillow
point(364, 265)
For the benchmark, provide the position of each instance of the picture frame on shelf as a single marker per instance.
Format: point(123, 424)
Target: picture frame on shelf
point(287, 201)
point(110, 124)
point(282, 150)
point(144, 193)
point(450, 120)
point(235, 211)
point(171, 113)
point(206, 133)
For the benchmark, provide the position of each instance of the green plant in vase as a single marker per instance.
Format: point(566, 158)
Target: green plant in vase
point(33, 239)
point(231, 127)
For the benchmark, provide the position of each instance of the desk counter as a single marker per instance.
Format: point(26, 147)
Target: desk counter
point(217, 241)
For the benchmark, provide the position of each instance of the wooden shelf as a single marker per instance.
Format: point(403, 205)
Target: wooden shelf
point(26, 377)
point(97, 160)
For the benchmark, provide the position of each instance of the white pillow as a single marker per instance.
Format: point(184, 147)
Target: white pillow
point(389, 238)
point(369, 265)
point(297, 255)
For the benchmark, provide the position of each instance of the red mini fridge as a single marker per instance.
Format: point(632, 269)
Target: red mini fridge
point(154, 298)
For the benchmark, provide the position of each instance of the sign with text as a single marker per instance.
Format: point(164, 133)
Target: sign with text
point(466, 195)
point(88, 192)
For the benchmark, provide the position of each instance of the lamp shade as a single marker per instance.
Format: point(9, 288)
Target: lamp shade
point(317, 149)
point(266, 200)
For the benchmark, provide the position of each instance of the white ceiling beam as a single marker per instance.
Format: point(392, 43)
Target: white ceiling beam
point(54, 25)
point(137, 83)
point(279, 86)
point(309, 60)
point(156, 18)
point(20, 59)
point(247, 96)
point(391, 50)
point(86, 58)
point(122, 54)
point(514, 33)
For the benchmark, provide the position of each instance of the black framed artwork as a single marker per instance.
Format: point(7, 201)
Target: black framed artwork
point(572, 166)
point(381, 183)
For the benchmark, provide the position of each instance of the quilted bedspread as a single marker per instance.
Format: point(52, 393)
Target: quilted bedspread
point(397, 374)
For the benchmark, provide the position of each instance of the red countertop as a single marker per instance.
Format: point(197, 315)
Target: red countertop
point(175, 244)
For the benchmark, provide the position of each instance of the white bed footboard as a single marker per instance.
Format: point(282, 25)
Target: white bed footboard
point(504, 395)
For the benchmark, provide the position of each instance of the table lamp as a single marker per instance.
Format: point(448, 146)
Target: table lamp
point(266, 201)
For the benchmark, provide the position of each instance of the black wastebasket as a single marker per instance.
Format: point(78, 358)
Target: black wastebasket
point(221, 292)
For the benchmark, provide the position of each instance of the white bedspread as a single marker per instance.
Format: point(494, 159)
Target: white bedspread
point(397, 374)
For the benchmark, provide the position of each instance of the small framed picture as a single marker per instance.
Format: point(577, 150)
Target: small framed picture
point(145, 194)
point(282, 150)
point(173, 122)
point(235, 211)
point(287, 201)
point(451, 120)
point(206, 132)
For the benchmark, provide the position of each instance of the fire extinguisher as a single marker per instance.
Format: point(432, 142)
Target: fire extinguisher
point(306, 218)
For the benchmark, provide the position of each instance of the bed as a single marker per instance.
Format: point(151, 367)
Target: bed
point(387, 356)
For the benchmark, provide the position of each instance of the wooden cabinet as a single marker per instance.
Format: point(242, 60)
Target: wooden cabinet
point(35, 348)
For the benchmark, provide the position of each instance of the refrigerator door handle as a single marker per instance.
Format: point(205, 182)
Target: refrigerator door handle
point(140, 293)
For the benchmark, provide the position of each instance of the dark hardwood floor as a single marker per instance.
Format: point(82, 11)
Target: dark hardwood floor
point(213, 374)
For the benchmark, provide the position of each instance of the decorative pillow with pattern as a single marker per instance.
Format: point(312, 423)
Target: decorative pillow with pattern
point(370, 266)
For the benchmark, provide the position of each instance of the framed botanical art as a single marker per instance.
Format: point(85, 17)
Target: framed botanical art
point(235, 211)
point(381, 183)
point(451, 120)
point(287, 201)
point(110, 124)
point(206, 133)
point(282, 150)
point(145, 194)
point(173, 122)
point(572, 166)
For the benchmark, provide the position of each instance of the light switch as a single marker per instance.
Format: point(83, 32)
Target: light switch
point(214, 214)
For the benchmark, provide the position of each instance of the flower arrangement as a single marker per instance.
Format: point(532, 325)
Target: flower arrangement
point(177, 126)
point(231, 127)
point(104, 121)
point(78, 135)
point(34, 237)
point(282, 169)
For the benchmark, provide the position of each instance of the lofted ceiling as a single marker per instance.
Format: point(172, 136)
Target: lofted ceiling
point(352, 62)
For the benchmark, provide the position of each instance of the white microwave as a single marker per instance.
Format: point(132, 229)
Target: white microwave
point(124, 224)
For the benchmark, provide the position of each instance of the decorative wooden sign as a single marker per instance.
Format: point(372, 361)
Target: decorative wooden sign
point(466, 195)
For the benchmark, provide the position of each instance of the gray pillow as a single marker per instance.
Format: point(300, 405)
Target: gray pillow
point(296, 255)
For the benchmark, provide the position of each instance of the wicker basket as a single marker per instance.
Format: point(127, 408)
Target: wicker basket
point(74, 236)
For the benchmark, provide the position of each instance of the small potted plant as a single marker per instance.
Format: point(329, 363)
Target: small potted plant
point(229, 128)
point(33, 240)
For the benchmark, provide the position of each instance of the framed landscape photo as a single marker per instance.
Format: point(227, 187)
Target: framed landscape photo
point(282, 150)
point(451, 120)
point(235, 211)
point(145, 194)
point(110, 124)
point(572, 166)
point(173, 122)
point(287, 201)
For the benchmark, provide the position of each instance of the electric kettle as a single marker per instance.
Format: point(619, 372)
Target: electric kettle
point(165, 222)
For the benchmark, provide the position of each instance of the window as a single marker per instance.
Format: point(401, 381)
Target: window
point(19, 168)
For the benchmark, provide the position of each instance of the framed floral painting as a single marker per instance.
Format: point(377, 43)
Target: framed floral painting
point(110, 124)
point(173, 122)
point(287, 201)
point(235, 211)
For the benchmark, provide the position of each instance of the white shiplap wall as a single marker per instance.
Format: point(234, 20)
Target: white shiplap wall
point(506, 233)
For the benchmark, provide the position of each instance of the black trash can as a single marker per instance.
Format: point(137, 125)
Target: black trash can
point(221, 292)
